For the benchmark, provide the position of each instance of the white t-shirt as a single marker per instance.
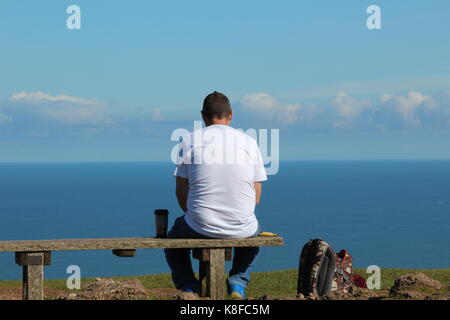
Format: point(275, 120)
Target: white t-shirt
point(221, 165)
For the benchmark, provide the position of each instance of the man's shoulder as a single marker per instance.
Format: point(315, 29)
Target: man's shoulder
point(245, 136)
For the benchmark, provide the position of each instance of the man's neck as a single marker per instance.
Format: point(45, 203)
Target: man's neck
point(218, 122)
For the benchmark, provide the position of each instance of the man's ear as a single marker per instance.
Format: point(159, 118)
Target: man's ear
point(230, 117)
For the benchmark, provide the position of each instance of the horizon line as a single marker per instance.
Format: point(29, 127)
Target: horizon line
point(165, 161)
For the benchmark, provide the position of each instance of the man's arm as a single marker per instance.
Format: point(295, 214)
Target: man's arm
point(258, 190)
point(181, 191)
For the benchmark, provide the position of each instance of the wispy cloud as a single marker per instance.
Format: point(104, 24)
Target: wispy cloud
point(42, 115)
point(39, 97)
point(45, 114)
point(266, 106)
point(406, 106)
point(260, 102)
point(60, 109)
point(348, 108)
point(413, 110)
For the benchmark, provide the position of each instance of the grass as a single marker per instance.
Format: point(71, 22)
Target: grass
point(275, 283)
point(284, 283)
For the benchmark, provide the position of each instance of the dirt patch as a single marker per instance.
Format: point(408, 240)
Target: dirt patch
point(172, 294)
point(108, 289)
point(10, 293)
point(356, 294)
point(411, 281)
point(407, 287)
point(15, 293)
point(418, 286)
point(162, 293)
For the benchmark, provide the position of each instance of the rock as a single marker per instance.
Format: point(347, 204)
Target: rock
point(108, 289)
point(312, 296)
point(411, 294)
point(336, 295)
point(414, 286)
point(187, 296)
point(438, 297)
point(415, 280)
point(332, 295)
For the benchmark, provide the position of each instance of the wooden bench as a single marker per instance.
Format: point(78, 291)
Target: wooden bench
point(33, 255)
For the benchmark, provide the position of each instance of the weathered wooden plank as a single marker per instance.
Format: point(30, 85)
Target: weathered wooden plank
point(133, 243)
point(212, 274)
point(33, 278)
point(217, 274)
point(25, 259)
point(203, 254)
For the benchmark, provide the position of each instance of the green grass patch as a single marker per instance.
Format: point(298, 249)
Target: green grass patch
point(388, 276)
point(276, 284)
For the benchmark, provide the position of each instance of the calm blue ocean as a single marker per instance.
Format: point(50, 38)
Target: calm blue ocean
point(388, 213)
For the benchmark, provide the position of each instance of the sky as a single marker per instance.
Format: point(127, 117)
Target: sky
point(118, 87)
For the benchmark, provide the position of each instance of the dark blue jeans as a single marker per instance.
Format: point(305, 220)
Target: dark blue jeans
point(179, 260)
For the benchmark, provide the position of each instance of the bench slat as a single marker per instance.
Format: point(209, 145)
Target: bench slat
point(133, 243)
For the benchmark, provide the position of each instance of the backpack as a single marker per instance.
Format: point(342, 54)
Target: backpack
point(321, 270)
point(316, 268)
point(343, 278)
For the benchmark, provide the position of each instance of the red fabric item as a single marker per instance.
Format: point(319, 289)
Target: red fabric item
point(342, 254)
point(359, 281)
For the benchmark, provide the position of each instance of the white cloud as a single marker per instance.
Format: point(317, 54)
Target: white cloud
point(349, 107)
point(438, 103)
point(407, 106)
point(38, 97)
point(62, 109)
point(389, 111)
point(411, 110)
point(259, 102)
point(263, 104)
point(289, 114)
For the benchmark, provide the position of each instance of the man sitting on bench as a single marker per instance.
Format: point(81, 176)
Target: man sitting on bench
point(218, 184)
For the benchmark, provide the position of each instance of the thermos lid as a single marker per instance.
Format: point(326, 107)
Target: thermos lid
point(161, 211)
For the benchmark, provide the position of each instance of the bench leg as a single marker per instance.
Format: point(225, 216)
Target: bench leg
point(212, 275)
point(33, 273)
point(33, 280)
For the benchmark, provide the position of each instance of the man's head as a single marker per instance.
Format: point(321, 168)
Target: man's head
point(216, 109)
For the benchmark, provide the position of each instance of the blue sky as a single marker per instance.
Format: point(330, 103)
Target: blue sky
point(117, 88)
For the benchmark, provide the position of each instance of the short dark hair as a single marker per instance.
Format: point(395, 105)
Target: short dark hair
point(216, 105)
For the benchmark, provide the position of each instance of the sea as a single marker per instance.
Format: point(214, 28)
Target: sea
point(389, 213)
